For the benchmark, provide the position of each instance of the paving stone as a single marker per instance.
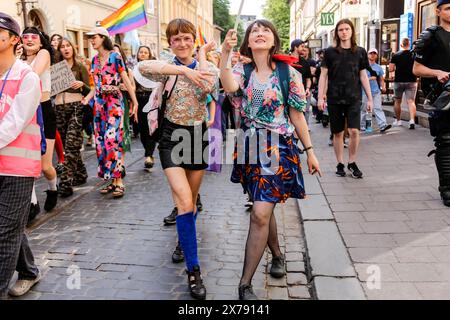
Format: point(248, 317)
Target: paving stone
point(328, 288)
point(276, 293)
point(315, 207)
point(299, 292)
point(324, 245)
point(394, 291)
point(296, 279)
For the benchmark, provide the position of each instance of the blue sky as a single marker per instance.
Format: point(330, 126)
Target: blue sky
point(251, 7)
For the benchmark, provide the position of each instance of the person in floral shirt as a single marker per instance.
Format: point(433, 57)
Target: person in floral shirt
point(109, 71)
point(266, 115)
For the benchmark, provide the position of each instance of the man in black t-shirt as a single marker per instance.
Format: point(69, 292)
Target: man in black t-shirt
point(297, 47)
point(432, 64)
point(405, 83)
point(341, 81)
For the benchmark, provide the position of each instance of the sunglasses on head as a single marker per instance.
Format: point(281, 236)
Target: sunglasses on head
point(31, 36)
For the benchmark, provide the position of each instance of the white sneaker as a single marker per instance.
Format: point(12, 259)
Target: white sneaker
point(21, 287)
point(397, 123)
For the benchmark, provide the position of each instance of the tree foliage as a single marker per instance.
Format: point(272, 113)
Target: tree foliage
point(223, 19)
point(278, 12)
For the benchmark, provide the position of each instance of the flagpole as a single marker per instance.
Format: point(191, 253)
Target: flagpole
point(236, 26)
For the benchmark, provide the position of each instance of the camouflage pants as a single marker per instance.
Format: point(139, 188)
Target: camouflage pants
point(69, 118)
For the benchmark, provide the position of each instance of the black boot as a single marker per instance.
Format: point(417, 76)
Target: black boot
point(65, 191)
point(79, 181)
point(35, 209)
point(446, 198)
point(442, 158)
point(278, 269)
point(196, 286)
point(178, 254)
point(246, 292)
point(199, 204)
point(172, 218)
point(51, 201)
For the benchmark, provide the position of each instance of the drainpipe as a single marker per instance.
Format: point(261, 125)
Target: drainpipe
point(25, 13)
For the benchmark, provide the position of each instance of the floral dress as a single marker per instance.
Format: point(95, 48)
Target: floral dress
point(266, 125)
point(108, 116)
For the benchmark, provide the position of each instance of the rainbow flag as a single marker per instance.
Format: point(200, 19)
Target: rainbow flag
point(201, 39)
point(131, 16)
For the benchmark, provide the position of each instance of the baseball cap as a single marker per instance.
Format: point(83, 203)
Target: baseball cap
point(373, 50)
point(441, 2)
point(8, 23)
point(296, 43)
point(98, 30)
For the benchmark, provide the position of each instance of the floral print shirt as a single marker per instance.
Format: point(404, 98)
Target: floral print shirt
point(261, 105)
point(107, 78)
point(187, 105)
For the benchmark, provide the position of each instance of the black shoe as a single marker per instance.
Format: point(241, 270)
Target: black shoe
point(356, 173)
point(446, 198)
point(178, 254)
point(172, 218)
point(412, 126)
point(196, 286)
point(386, 128)
point(59, 169)
point(35, 209)
point(341, 170)
point(79, 182)
point(51, 201)
point(246, 292)
point(65, 192)
point(278, 269)
point(199, 204)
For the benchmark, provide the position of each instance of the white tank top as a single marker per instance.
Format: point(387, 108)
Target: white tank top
point(46, 79)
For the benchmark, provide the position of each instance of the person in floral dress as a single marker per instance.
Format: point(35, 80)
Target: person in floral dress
point(108, 70)
point(267, 116)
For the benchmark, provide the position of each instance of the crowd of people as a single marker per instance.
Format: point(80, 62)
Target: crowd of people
point(257, 90)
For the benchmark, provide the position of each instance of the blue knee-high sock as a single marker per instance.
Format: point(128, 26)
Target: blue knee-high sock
point(187, 235)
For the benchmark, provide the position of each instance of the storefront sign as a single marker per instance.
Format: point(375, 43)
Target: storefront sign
point(315, 43)
point(406, 26)
point(327, 19)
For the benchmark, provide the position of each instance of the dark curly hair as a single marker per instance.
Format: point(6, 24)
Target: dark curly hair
point(45, 41)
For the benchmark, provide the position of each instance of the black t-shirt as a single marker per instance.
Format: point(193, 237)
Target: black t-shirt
point(436, 55)
point(404, 63)
point(303, 67)
point(344, 67)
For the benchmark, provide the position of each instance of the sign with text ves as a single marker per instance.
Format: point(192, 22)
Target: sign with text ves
point(327, 19)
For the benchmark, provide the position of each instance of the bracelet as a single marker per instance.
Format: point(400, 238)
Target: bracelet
point(307, 149)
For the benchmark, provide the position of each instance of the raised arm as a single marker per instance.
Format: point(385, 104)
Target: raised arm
point(229, 83)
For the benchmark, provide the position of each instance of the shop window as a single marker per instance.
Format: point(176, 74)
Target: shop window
point(73, 37)
point(427, 14)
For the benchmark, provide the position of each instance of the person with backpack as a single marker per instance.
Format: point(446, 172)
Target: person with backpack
point(342, 79)
point(20, 160)
point(377, 86)
point(432, 64)
point(187, 83)
point(272, 107)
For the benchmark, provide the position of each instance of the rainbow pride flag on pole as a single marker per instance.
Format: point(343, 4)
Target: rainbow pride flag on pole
point(201, 39)
point(131, 16)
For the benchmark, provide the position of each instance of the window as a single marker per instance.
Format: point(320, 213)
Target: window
point(72, 35)
point(427, 14)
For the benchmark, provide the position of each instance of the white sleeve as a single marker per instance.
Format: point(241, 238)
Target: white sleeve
point(23, 109)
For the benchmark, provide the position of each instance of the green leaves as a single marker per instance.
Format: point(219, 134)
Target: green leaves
point(278, 12)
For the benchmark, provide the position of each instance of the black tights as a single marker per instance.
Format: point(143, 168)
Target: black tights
point(263, 232)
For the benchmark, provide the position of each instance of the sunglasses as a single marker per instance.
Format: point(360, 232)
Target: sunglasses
point(31, 36)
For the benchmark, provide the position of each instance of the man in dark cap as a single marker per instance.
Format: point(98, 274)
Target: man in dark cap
point(432, 64)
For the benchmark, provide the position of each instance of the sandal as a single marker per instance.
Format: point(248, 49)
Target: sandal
point(108, 189)
point(119, 192)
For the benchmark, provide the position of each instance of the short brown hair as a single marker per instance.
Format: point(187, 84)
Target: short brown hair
point(177, 26)
point(247, 51)
point(406, 42)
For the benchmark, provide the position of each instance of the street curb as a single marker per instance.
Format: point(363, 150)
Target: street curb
point(422, 117)
point(330, 269)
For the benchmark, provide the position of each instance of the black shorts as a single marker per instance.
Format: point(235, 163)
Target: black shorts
point(189, 151)
point(342, 114)
point(49, 115)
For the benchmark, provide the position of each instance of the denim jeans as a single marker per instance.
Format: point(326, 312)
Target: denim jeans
point(377, 110)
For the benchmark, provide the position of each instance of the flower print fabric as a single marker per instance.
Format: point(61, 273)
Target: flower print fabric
point(264, 114)
point(272, 113)
point(108, 116)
